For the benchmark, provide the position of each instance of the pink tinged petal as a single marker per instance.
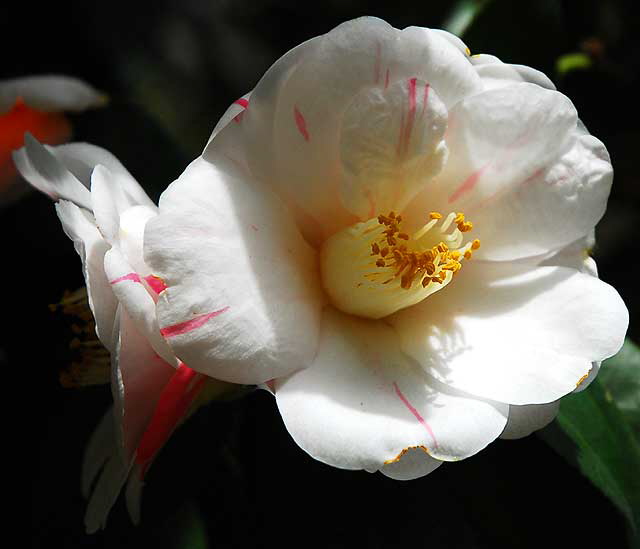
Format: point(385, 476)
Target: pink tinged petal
point(172, 406)
point(155, 283)
point(507, 135)
point(550, 209)
point(467, 185)
point(80, 227)
point(301, 123)
point(390, 147)
point(234, 113)
point(138, 301)
point(190, 325)
point(344, 410)
point(514, 333)
point(139, 379)
point(524, 420)
point(204, 249)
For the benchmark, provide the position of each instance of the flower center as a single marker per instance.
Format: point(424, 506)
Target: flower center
point(373, 269)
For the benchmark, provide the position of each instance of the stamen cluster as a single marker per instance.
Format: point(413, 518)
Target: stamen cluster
point(420, 265)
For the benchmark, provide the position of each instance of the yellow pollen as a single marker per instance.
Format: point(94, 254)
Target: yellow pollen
point(375, 268)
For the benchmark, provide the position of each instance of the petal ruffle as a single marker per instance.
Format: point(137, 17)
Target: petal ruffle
point(362, 403)
point(79, 226)
point(242, 302)
point(524, 420)
point(513, 332)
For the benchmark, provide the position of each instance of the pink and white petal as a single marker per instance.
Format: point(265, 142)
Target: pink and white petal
point(514, 333)
point(549, 210)
point(300, 112)
point(414, 463)
point(524, 420)
point(50, 93)
point(81, 158)
point(233, 112)
point(79, 226)
point(138, 300)
point(499, 140)
point(40, 167)
point(140, 378)
point(391, 143)
point(363, 403)
point(243, 300)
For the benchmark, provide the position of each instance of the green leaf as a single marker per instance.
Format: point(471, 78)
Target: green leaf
point(186, 529)
point(620, 376)
point(592, 433)
point(571, 62)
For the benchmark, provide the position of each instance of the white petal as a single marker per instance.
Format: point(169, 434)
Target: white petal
point(80, 227)
point(291, 130)
point(137, 300)
point(551, 209)
point(50, 93)
point(242, 302)
point(81, 158)
point(514, 333)
point(391, 143)
point(105, 494)
point(415, 463)
point(107, 202)
point(499, 139)
point(100, 448)
point(40, 167)
point(524, 420)
point(362, 402)
point(496, 74)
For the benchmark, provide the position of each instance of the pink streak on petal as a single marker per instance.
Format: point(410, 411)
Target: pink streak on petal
point(411, 115)
point(425, 98)
point(254, 227)
point(134, 277)
point(243, 103)
point(173, 403)
point(155, 283)
point(301, 123)
point(386, 80)
point(467, 185)
point(415, 413)
point(190, 325)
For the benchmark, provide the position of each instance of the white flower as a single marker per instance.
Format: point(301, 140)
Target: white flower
point(104, 210)
point(37, 104)
point(278, 271)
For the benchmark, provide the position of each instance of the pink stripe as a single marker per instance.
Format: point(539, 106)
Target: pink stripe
point(134, 277)
point(415, 413)
point(155, 283)
point(386, 80)
point(412, 113)
point(242, 102)
point(467, 185)
point(301, 123)
point(190, 325)
point(425, 98)
point(173, 404)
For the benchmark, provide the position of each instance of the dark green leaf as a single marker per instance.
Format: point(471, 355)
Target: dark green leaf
point(620, 376)
point(592, 433)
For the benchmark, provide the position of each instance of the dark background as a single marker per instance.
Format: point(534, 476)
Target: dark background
point(232, 474)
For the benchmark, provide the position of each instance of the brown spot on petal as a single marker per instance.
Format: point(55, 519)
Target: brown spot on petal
point(404, 451)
